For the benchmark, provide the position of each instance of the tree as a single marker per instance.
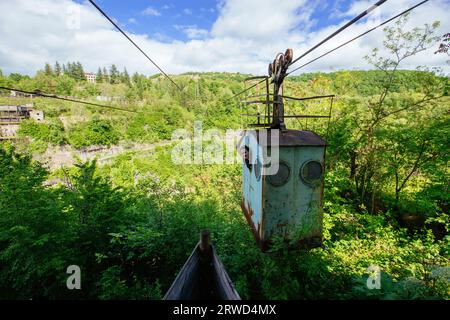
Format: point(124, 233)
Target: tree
point(99, 76)
point(79, 72)
point(114, 76)
point(32, 230)
point(125, 77)
point(64, 85)
point(69, 70)
point(444, 46)
point(366, 151)
point(57, 68)
point(48, 70)
point(135, 77)
point(105, 75)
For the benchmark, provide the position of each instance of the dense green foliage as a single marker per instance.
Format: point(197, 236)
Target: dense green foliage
point(94, 132)
point(131, 223)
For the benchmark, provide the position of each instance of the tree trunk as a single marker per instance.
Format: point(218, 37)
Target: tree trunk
point(352, 164)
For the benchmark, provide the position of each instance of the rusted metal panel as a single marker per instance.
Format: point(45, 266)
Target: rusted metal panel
point(295, 206)
point(252, 188)
point(294, 138)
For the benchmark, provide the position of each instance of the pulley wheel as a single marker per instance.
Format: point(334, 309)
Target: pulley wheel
point(288, 55)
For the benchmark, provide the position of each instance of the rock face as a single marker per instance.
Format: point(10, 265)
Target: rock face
point(56, 156)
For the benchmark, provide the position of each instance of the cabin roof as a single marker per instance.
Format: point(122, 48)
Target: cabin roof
point(294, 138)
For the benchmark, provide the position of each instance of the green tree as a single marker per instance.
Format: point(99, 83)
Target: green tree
point(70, 70)
point(114, 76)
point(79, 72)
point(48, 70)
point(125, 77)
point(95, 132)
point(15, 77)
point(366, 165)
point(58, 70)
point(105, 75)
point(33, 231)
point(64, 85)
point(99, 76)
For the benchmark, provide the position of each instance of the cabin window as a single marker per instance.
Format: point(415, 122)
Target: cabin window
point(258, 169)
point(282, 176)
point(245, 152)
point(311, 172)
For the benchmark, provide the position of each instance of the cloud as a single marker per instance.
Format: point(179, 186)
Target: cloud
point(244, 38)
point(210, 10)
point(132, 21)
point(150, 11)
point(192, 31)
point(187, 11)
point(162, 37)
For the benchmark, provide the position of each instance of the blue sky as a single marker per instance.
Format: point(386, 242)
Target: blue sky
point(164, 20)
point(168, 20)
point(201, 35)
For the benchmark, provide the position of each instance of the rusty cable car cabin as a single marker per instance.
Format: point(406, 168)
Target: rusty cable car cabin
point(287, 202)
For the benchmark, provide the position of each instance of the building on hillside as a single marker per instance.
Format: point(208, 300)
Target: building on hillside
point(16, 94)
point(90, 77)
point(12, 116)
point(106, 98)
point(37, 115)
point(8, 131)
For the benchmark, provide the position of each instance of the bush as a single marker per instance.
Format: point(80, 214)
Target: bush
point(95, 132)
point(50, 132)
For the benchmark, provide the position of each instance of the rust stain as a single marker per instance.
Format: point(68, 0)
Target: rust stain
point(248, 215)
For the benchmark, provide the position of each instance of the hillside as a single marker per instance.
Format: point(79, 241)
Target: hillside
point(132, 220)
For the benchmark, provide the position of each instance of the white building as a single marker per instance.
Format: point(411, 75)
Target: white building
point(37, 115)
point(90, 77)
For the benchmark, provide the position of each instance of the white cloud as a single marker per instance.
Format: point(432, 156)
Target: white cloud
point(132, 21)
point(210, 10)
point(187, 11)
point(150, 11)
point(192, 31)
point(162, 37)
point(245, 37)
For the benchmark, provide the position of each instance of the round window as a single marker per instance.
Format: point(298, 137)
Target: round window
point(311, 172)
point(282, 176)
point(258, 169)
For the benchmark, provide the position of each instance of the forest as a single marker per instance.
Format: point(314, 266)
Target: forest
point(131, 222)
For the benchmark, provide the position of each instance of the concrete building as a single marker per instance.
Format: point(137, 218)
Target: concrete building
point(90, 77)
point(8, 131)
point(16, 94)
point(37, 115)
point(12, 116)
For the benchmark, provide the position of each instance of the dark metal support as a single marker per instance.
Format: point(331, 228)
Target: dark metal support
point(206, 273)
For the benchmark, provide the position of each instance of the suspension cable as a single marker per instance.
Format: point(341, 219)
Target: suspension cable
point(142, 51)
point(38, 93)
point(359, 36)
point(348, 24)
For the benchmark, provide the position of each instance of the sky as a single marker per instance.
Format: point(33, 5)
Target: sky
point(200, 35)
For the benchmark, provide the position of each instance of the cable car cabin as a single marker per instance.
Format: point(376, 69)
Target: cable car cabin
point(289, 202)
point(283, 169)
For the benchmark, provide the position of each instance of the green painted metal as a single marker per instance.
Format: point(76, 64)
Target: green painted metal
point(293, 209)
